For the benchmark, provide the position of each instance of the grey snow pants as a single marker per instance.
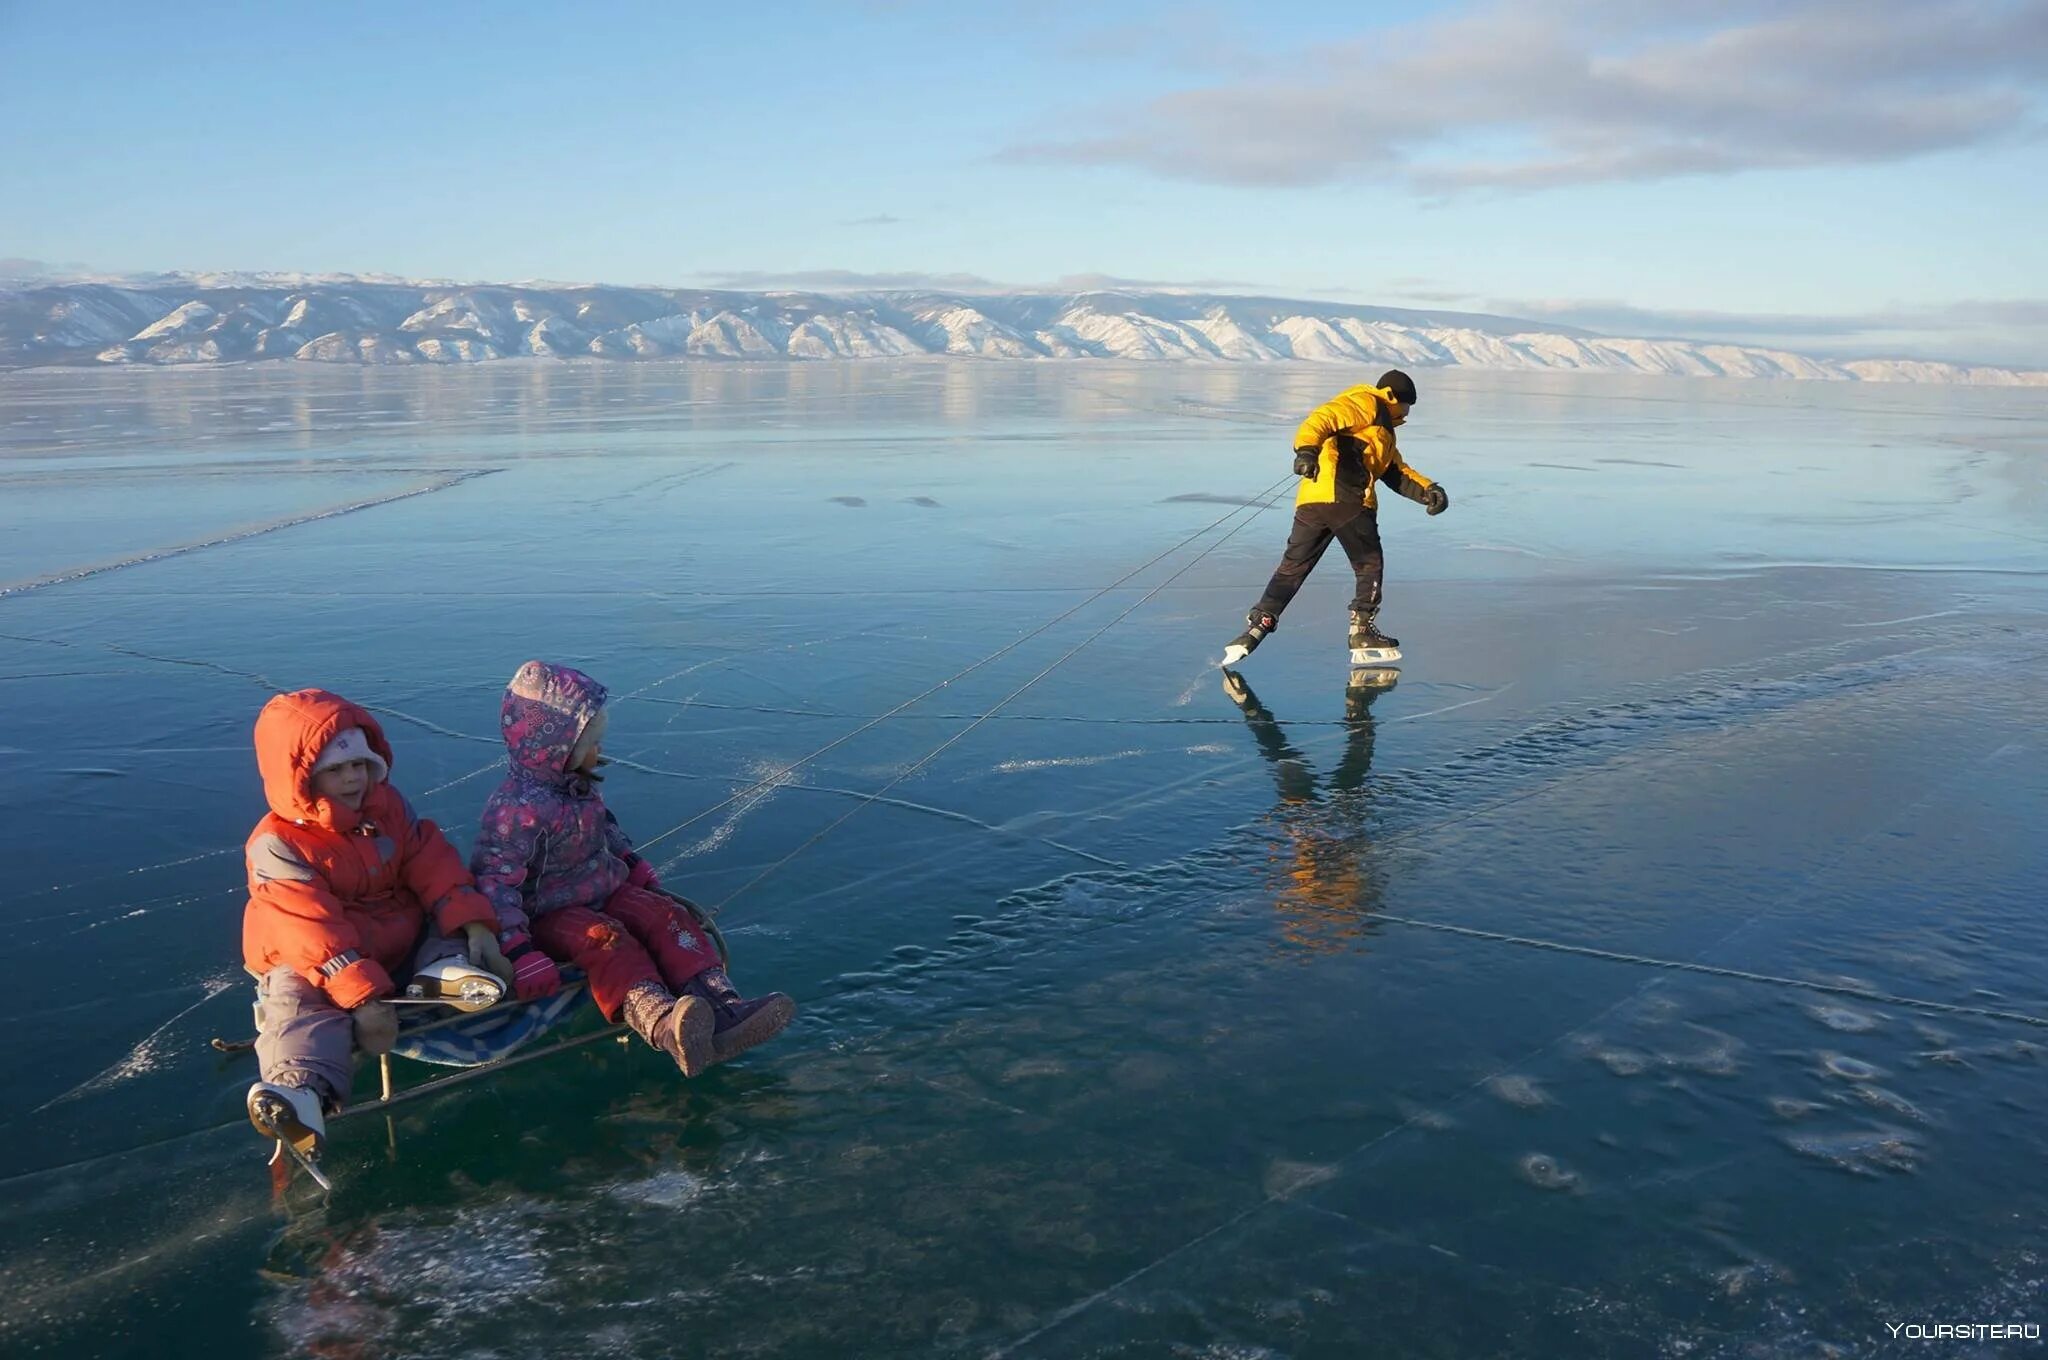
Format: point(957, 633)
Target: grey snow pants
point(304, 1039)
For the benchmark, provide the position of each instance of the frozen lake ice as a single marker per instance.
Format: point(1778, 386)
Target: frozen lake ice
point(1654, 970)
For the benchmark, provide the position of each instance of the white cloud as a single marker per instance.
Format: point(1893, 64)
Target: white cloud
point(1598, 91)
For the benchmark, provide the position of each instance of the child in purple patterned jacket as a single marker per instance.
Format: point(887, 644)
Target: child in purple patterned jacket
point(558, 869)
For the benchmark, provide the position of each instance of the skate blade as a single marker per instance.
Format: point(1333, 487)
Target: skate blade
point(1376, 656)
point(306, 1164)
point(1234, 654)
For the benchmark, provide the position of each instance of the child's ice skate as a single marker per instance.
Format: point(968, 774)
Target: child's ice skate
point(454, 982)
point(291, 1116)
point(740, 1023)
point(1369, 646)
point(1258, 623)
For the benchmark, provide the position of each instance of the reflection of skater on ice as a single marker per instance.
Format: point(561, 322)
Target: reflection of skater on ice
point(1344, 447)
point(1325, 891)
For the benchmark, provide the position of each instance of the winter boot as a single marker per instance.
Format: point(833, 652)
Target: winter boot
point(1259, 623)
point(291, 1115)
point(741, 1024)
point(1365, 633)
point(678, 1026)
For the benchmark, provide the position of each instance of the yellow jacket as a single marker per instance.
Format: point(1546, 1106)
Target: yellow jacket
point(1356, 436)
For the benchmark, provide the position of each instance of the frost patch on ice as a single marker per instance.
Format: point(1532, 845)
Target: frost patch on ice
point(1622, 1062)
point(1720, 1056)
point(1791, 1108)
point(1423, 1117)
point(1891, 1102)
point(407, 1278)
point(1063, 762)
point(148, 1055)
point(1026, 1068)
point(663, 1190)
point(1519, 1091)
point(1284, 1177)
point(1846, 1019)
point(1862, 1152)
point(1850, 1069)
point(1545, 1172)
point(770, 779)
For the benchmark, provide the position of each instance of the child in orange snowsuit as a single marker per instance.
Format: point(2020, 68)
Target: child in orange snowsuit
point(349, 892)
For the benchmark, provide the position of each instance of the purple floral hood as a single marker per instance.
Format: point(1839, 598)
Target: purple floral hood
point(546, 709)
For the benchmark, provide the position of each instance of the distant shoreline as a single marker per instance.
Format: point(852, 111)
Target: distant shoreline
point(217, 321)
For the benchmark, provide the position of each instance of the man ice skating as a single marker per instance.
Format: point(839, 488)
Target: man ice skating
point(1340, 451)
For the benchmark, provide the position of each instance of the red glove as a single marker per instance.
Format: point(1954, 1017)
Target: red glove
point(534, 974)
point(641, 875)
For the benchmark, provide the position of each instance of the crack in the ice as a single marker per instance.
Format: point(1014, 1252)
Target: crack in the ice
point(239, 536)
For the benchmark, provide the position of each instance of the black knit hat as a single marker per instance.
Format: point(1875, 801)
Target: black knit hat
point(1400, 384)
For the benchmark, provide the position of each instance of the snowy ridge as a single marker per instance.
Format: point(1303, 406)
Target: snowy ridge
point(230, 318)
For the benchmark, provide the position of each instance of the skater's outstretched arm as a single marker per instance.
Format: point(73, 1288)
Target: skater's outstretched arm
point(1405, 481)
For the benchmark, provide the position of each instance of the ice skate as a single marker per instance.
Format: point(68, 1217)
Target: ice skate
point(1370, 648)
point(1258, 623)
point(291, 1116)
point(453, 982)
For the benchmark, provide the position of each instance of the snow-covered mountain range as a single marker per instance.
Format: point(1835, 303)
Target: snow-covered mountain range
point(216, 319)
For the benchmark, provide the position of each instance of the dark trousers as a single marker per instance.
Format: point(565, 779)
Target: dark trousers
point(1306, 544)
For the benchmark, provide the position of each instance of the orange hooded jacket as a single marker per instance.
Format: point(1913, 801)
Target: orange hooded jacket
point(339, 895)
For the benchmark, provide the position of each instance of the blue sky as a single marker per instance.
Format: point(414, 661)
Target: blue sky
point(1836, 177)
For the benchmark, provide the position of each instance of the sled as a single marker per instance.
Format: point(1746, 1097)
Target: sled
point(477, 1042)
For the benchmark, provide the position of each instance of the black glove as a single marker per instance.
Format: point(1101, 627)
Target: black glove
point(1307, 462)
point(1438, 502)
